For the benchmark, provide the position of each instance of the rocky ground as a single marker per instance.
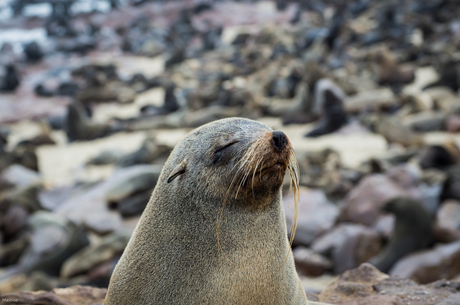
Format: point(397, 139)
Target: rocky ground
point(93, 100)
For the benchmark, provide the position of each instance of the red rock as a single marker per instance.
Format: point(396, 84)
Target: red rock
point(363, 203)
point(356, 283)
point(453, 123)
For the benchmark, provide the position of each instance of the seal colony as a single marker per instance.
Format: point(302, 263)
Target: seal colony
point(214, 230)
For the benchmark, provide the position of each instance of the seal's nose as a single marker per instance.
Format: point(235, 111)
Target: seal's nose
point(280, 139)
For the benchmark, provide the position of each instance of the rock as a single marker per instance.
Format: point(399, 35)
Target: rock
point(406, 175)
point(142, 179)
point(134, 205)
point(59, 296)
point(374, 300)
point(309, 263)
point(411, 293)
point(14, 220)
point(51, 199)
point(448, 215)
point(426, 121)
point(10, 252)
point(150, 151)
point(53, 240)
point(443, 97)
point(19, 175)
point(391, 128)
point(123, 183)
point(25, 197)
point(453, 299)
point(373, 99)
point(87, 258)
point(353, 284)
point(106, 157)
point(349, 245)
point(430, 265)
point(453, 123)
point(38, 280)
point(315, 215)
point(12, 283)
point(100, 275)
point(363, 203)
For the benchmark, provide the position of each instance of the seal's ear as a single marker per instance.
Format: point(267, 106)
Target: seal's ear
point(178, 170)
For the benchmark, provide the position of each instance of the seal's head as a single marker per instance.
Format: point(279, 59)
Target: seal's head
point(239, 160)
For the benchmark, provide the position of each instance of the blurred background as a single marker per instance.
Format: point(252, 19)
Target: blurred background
point(94, 94)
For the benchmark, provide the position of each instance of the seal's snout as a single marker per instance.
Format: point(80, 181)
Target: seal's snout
point(279, 139)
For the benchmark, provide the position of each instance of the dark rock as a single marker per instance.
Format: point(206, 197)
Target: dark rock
point(87, 258)
point(53, 240)
point(134, 205)
point(14, 220)
point(12, 251)
point(309, 263)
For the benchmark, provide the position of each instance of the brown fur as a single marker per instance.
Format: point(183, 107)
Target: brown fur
point(216, 232)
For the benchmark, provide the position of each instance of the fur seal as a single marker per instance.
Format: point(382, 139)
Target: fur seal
point(334, 116)
point(11, 81)
point(413, 231)
point(214, 231)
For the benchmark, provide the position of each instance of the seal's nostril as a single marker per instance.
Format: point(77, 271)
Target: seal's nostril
point(280, 139)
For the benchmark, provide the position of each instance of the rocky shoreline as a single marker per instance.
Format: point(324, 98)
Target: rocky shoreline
point(361, 286)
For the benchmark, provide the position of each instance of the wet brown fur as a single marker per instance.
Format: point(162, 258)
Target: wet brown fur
point(216, 232)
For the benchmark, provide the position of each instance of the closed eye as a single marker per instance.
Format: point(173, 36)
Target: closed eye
point(219, 150)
